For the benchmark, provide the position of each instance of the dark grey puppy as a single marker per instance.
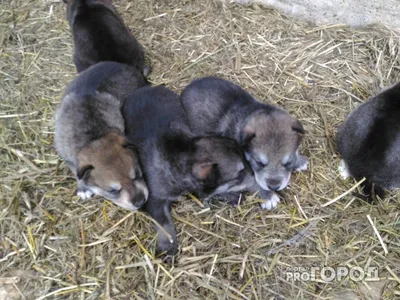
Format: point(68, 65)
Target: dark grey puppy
point(90, 135)
point(269, 136)
point(176, 162)
point(369, 142)
point(100, 34)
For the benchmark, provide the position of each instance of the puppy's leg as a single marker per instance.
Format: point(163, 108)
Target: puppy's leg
point(234, 198)
point(146, 71)
point(160, 211)
point(271, 199)
point(343, 170)
point(301, 163)
point(83, 191)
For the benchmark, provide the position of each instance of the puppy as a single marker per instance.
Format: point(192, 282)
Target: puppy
point(175, 161)
point(369, 142)
point(89, 135)
point(269, 136)
point(100, 34)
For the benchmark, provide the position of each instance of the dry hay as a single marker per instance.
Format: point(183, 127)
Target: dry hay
point(60, 247)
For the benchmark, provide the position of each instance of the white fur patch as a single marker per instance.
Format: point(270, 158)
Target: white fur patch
point(302, 167)
point(343, 170)
point(84, 195)
point(270, 203)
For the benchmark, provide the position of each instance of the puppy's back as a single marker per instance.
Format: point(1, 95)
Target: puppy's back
point(114, 78)
point(209, 101)
point(369, 140)
point(151, 112)
point(91, 106)
point(100, 35)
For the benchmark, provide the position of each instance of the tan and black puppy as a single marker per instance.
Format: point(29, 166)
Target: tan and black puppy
point(100, 34)
point(175, 161)
point(270, 137)
point(90, 135)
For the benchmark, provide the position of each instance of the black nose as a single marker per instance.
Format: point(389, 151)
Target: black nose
point(139, 200)
point(274, 185)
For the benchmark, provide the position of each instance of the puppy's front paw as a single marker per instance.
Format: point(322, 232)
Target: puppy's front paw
point(85, 194)
point(271, 200)
point(302, 164)
point(233, 199)
point(167, 249)
point(343, 170)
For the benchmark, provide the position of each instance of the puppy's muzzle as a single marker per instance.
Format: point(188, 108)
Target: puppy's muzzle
point(274, 184)
point(139, 200)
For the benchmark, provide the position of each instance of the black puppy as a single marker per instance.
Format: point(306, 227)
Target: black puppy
point(100, 34)
point(369, 142)
point(174, 161)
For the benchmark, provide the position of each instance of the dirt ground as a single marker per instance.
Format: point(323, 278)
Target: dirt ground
point(55, 246)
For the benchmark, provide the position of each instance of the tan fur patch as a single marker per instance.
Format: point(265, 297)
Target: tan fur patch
point(113, 164)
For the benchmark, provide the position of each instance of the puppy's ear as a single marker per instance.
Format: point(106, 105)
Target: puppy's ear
point(84, 172)
point(247, 134)
point(297, 127)
point(203, 171)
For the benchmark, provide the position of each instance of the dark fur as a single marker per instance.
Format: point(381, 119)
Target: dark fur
point(174, 161)
point(100, 34)
point(217, 106)
point(369, 141)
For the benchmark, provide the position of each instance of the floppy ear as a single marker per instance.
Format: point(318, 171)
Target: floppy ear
point(247, 134)
point(297, 127)
point(202, 171)
point(84, 172)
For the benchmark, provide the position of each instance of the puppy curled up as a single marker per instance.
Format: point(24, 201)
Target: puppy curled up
point(269, 136)
point(369, 143)
point(90, 137)
point(100, 34)
point(175, 161)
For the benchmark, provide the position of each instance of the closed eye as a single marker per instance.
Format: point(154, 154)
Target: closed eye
point(260, 164)
point(288, 165)
point(114, 191)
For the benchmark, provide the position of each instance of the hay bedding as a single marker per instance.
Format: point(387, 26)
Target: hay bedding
point(59, 247)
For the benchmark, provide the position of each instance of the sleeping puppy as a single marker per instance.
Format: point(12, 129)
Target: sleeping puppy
point(100, 34)
point(175, 161)
point(89, 135)
point(270, 137)
point(369, 142)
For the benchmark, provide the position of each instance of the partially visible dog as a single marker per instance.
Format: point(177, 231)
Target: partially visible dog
point(175, 161)
point(100, 34)
point(90, 135)
point(269, 136)
point(369, 142)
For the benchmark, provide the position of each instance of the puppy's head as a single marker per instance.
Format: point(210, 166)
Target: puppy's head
point(74, 7)
point(109, 167)
point(270, 143)
point(220, 165)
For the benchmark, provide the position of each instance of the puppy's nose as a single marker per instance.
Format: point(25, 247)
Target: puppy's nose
point(139, 200)
point(274, 185)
